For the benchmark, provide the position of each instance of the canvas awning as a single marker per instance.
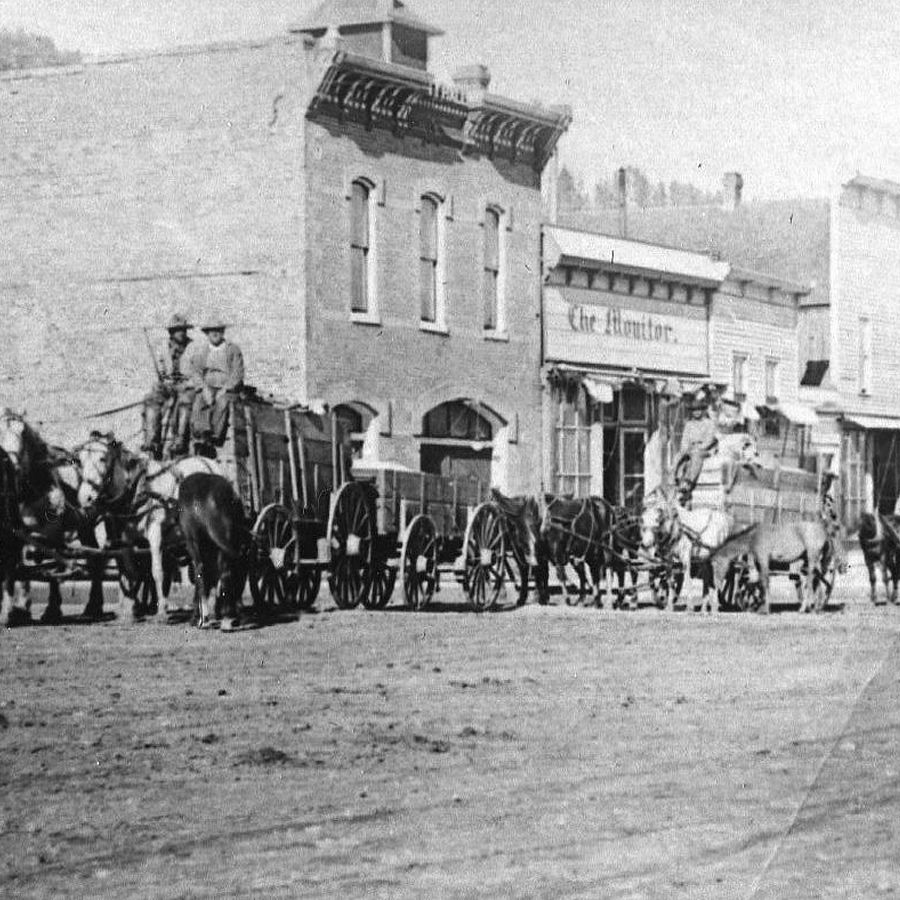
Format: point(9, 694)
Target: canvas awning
point(599, 391)
point(873, 423)
point(799, 413)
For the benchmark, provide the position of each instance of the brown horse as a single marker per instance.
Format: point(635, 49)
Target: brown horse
point(13, 609)
point(522, 518)
point(48, 480)
point(880, 545)
point(219, 544)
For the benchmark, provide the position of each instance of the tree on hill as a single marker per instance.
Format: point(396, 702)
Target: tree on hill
point(23, 50)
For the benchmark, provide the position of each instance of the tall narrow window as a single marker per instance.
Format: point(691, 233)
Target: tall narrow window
point(739, 377)
point(428, 260)
point(865, 356)
point(360, 240)
point(491, 288)
point(771, 380)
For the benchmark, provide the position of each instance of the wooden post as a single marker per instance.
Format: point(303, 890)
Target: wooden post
point(335, 462)
point(303, 473)
point(292, 455)
point(251, 458)
point(261, 463)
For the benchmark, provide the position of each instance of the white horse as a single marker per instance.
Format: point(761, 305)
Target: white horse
point(152, 488)
point(684, 536)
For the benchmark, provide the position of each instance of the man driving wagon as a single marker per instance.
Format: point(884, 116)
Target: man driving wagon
point(170, 401)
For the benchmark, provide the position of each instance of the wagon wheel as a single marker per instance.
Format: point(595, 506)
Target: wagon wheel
point(351, 530)
point(273, 575)
point(140, 589)
point(383, 582)
point(308, 579)
point(418, 562)
point(485, 557)
point(745, 594)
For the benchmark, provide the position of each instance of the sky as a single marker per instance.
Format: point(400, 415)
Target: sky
point(797, 95)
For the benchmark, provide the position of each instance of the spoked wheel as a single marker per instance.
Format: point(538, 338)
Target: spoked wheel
point(418, 562)
point(745, 594)
point(485, 557)
point(308, 581)
point(140, 589)
point(351, 531)
point(383, 582)
point(273, 576)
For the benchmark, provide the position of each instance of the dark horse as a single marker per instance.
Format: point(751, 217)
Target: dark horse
point(10, 543)
point(219, 544)
point(879, 540)
point(575, 532)
point(522, 521)
point(48, 481)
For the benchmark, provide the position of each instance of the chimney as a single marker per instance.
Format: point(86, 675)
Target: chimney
point(473, 80)
point(734, 185)
point(622, 182)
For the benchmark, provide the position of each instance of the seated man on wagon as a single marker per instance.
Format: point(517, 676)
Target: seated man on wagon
point(217, 372)
point(173, 391)
point(698, 440)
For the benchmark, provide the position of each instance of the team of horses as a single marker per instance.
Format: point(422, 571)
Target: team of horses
point(157, 516)
point(58, 502)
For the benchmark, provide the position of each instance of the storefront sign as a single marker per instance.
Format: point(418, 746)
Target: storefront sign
point(601, 328)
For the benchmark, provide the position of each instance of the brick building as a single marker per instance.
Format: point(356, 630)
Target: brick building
point(630, 328)
point(370, 234)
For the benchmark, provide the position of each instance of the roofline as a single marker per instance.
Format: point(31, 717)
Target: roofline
point(790, 287)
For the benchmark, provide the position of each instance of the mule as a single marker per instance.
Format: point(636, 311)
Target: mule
point(48, 480)
point(573, 532)
point(687, 540)
point(219, 543)
point(623, 553)
point(145, 493)
point(878, 540)
point(522, 518)
point(812, 545)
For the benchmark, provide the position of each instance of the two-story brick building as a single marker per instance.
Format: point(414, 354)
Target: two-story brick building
point(371, 235)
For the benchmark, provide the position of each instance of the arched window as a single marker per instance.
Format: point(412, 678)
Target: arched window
point(429, 260)
point(491, 289)
point(456, 441)
point(360, 247)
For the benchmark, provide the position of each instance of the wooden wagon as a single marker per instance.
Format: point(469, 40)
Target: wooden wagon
point(429, 524)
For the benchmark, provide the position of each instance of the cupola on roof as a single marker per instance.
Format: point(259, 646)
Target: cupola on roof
point(380, 29)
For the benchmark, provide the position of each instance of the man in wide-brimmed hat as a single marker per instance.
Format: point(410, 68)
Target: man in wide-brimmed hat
point(217, 373)
point(698, 439)
point(174, 388)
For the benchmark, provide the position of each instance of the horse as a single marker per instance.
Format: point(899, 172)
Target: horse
point(685, 538)
point(12, 610)
point(522, 518)
point(623, 550)
point(48, 481)
point(573, 532)
point(812, 544)
point(878, 540)
point(219, 543)
point(138, 496)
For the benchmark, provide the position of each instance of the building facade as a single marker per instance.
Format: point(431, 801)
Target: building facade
point(630, 330)
point(370, 235)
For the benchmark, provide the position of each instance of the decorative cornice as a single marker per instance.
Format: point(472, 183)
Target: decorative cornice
point(383, 95)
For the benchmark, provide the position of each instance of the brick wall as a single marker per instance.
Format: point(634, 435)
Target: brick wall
point(396, 361)
point(138, 187)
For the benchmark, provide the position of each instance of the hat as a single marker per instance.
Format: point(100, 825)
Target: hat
point(178, 321)
point(213, 323)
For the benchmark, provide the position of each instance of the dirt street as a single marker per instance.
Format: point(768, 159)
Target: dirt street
point(543, 752)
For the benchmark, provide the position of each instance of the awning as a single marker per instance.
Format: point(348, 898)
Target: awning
point(800, 413)
point(873, 423)
point(599, 391)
